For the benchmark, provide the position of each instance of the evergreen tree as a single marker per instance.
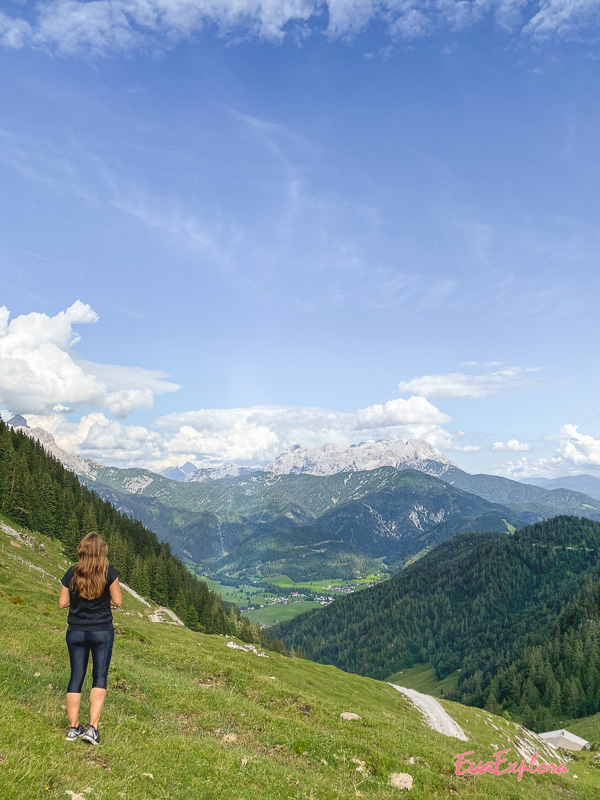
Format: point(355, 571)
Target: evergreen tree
point(36, 491)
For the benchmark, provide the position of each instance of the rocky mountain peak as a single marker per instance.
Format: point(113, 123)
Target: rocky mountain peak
point(327, 459)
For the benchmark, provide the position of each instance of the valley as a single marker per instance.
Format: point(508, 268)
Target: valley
point(281, 598)
point(188, 716)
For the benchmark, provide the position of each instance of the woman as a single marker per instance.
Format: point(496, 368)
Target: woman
point(88, 589)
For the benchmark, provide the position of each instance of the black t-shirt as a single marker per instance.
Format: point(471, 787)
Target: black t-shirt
point(94, 613)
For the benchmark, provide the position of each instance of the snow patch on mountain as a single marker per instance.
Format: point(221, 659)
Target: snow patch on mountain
point(329, 459)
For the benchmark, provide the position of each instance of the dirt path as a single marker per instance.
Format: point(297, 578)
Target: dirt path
point(435, 714)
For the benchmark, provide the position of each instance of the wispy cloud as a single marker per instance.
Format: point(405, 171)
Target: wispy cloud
point(72, 27)
point(461, 384)
point(28, 253)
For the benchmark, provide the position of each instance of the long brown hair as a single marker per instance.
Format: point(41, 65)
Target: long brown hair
point(89, 574)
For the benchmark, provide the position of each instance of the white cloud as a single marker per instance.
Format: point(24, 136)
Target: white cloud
point(562, 17)
point(575, 451)
point(77, 26)
point(512, 444)
point(578, 449)
point(39, 373)
point(460, 384)
point(522, 469)
point(247, 435)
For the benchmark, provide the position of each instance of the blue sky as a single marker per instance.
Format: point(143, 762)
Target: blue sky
point(229, 227)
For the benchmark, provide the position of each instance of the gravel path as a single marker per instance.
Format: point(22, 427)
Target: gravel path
point(435, 715)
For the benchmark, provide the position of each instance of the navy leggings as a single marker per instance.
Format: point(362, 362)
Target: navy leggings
point(80, 643)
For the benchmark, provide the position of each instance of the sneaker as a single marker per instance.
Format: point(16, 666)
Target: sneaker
point(75, 733)
point(91, 735)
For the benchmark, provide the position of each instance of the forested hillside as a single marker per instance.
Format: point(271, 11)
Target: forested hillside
point(36, 491)
point(513, 614)
point(262, 526)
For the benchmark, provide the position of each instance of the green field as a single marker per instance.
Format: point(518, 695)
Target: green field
point(269, 615)
point(188, 718)
point(319, 586)
point(253, 594)
point(241, 596)
point(422, 678)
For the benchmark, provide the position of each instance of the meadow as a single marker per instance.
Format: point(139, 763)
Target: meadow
point(187, 716)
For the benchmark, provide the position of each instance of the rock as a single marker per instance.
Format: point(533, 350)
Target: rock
point(401, 780)
point(248, 648)
point(349, 716)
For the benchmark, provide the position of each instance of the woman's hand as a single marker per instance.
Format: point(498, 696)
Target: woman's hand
point(65, 598)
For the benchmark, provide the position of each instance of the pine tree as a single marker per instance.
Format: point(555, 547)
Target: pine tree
point(72, 538)
point(180, 607)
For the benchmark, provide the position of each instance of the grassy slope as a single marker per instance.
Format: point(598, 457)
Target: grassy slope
point(269, 615)
point(209, 722)
point(586, 727)
point(422, 678)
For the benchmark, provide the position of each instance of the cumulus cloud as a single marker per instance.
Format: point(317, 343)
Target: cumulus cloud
point(522, 469)
point(574, 452)
point(264, 431)
point(512, 444)
point(253, 435)
point(578, 449)
point(77, 26)
point(40, 374)
point(460, 384)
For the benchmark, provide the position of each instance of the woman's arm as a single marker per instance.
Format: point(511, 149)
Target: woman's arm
point(65, 598)
point(116, 598)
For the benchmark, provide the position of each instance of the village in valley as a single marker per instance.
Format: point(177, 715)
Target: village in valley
point(269, 600)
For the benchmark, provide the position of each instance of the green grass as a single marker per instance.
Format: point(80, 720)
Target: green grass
point(587, 727)
point(510, 528)
point(269, 615)
point(211, 723)
point(237, 595)
point(286, 582)
point(422, 678)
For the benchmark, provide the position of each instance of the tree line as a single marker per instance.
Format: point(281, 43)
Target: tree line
point(38, 493)
point(514, 617)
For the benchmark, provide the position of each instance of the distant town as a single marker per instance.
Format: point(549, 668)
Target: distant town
point(322, 599)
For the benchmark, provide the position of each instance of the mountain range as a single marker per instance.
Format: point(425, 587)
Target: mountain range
point(324, 512)
point(587, 484)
